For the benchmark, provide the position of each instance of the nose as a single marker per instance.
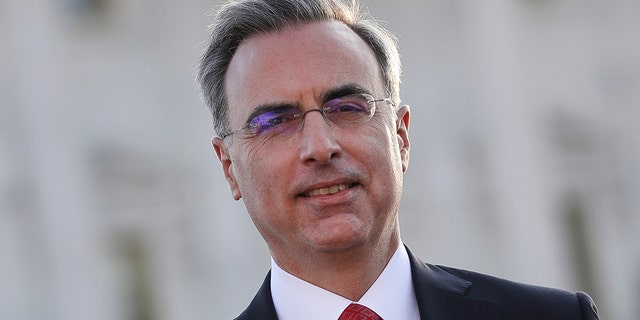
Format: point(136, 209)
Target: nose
point(318, 144)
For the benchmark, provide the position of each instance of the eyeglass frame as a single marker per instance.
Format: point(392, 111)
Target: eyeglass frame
point(302, 114)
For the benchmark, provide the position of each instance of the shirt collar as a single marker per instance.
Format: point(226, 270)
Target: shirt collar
point(391, 296)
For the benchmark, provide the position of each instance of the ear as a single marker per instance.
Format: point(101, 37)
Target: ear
point(222, 151)
point(403, 135)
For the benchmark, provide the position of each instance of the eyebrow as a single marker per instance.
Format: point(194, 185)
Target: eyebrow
point(343, 90)
point(330, 94)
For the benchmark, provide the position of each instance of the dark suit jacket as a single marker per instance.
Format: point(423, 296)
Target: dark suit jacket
point(445, 293)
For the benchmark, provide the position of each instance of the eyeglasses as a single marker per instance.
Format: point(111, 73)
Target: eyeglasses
point(344, 112)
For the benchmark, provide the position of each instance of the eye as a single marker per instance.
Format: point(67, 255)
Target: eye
point(348, 109)
point(272, 120)
point(347, 105)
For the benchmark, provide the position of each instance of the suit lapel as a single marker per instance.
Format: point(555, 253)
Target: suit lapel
point(261, 307)
point(441, 295)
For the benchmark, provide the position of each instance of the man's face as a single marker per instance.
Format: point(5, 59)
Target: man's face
point(283, 181)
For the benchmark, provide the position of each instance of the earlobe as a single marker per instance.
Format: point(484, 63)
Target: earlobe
point(403, 135)
point(222, 152)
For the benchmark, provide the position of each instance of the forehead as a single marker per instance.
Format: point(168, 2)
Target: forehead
point(298, 64)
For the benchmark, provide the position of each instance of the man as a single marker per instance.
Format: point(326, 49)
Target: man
point(312, 136)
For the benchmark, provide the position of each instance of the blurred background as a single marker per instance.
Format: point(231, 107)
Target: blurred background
point(525, 157)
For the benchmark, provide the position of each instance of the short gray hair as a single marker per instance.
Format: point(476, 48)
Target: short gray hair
point(238, 20)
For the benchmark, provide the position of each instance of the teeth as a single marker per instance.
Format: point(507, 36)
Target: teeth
point(325, 191)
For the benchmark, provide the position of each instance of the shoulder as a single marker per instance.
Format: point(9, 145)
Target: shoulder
point(446, 291)
point(484, 284)
point(517, 298)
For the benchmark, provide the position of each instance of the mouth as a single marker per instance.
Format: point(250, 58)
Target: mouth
point(328, 190)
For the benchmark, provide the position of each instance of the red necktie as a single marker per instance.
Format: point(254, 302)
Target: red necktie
point(358, 312)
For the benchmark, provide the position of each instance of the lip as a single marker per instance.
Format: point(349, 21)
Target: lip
point(321, 204)
point(327, 189)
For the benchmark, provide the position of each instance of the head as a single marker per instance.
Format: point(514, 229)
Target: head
point(323, 186)
point(240, 20)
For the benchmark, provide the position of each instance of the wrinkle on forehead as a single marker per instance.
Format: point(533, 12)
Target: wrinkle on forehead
point(297, 64)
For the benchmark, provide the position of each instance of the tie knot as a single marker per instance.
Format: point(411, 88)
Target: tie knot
point(358, 312)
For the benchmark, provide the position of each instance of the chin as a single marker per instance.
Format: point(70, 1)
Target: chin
point(339, 243)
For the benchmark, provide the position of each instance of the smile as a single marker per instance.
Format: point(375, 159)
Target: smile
point(327, 191)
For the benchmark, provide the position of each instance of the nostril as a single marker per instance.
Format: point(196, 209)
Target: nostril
point(318, 146)
point(318, 155)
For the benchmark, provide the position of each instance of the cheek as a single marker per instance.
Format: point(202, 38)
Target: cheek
point(382, 143)
point(253, 161)
point(264, 180)
point(251, 179)
point(384, 162)
point(261, 173)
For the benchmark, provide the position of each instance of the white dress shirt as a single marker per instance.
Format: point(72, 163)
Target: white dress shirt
point(391, 296)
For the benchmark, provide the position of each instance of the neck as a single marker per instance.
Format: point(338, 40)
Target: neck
point(347, 273)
